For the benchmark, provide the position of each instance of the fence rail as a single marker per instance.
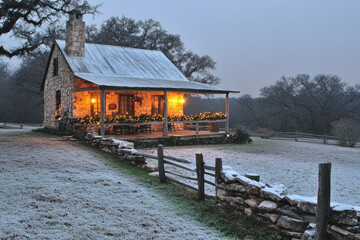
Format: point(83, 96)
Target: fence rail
point(201, 170)
point(300, 137)
point(11, 125)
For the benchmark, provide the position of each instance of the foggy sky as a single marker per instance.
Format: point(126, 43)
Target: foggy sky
point(256, 42)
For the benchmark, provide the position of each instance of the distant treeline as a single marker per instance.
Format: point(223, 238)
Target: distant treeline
point(299, 103)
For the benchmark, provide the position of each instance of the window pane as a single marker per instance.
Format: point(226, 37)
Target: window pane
point(55, 66)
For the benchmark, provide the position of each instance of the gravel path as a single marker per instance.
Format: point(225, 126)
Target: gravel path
point(294, 164)
point(53, 189)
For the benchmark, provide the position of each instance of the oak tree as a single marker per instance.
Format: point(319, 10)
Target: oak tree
point(28, 22)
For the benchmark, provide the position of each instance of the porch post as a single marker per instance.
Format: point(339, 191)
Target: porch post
point(166, 132)
point(227, 113)
point(103, 99)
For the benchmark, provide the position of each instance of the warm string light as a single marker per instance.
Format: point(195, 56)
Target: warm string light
point(127, 118)
point(93, 100)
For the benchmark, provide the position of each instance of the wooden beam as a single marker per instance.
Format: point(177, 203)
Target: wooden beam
point(86, 89)
point(103, 104)
point(183, 90)
point(218, 169)
point(166, 131)
point(253, 176)
point(161, 163)
point(200, 176)
point(227, 110)
point(323, 201)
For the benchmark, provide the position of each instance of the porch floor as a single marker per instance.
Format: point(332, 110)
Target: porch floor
point(181, 134)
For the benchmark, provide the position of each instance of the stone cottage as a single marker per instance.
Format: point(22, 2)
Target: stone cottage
point(100, 80)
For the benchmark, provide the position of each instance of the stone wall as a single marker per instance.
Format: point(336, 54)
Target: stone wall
point(64, 82)
point(291, 215)
point(121, 149)
point(75, 35)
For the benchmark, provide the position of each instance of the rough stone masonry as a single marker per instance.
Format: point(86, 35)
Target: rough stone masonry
point(291, 215)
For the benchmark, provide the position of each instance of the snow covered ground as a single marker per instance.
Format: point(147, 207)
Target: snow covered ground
point(52, 189)
point(294, 164)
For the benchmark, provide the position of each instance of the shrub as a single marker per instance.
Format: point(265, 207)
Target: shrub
point(241, 136)
point(46, 130)
point(65, 124)
point(347, 130)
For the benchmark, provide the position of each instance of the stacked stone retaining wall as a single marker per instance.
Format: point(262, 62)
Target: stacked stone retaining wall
point(291, 215)
point(122, 149)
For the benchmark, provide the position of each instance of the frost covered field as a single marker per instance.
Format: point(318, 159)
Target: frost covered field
point(52, 189)
point(294, 164)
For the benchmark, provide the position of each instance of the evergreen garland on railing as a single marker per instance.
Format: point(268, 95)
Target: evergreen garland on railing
point(127, 118)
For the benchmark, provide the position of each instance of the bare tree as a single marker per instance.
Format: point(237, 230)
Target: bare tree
point(4, 80)
point(347, 130)
point(26, 19)
point(313, 103)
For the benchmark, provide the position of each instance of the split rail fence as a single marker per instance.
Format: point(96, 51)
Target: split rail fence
point(323, 198)
point(200, 171)
point(11, 125)
point(299, 137)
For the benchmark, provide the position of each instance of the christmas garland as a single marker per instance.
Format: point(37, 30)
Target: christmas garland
point(149, 118)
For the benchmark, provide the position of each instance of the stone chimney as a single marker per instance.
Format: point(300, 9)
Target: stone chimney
point(75, 35)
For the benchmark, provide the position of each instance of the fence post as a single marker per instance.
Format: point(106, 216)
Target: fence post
point(197, 128)
point(218, 169)
point(21, 126)
point(296, 135)
point(200, 171)
point(325, 137)
point(323, 201)
point(253, 176)
point(161, 163)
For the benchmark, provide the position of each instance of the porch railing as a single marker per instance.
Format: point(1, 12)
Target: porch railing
point(197, 122)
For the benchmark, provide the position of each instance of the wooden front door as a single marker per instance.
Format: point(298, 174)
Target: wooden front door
point(157, 105)
point(126, 106)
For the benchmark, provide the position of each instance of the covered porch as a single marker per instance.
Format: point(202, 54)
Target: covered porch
point(135, 112)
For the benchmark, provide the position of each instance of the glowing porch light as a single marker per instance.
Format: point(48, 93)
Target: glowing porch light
point(177, 100)
point(93, 100)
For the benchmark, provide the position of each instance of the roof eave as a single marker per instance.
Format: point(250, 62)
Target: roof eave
point(225, 91)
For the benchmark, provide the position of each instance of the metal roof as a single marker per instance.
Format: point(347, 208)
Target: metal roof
point(121, 67)
point(146, 83)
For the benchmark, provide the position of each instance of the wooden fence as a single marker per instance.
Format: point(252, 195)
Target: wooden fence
point(198, 173)
point(11, 125)
point(201, 170)
point(323, 198)
point(299, 137)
